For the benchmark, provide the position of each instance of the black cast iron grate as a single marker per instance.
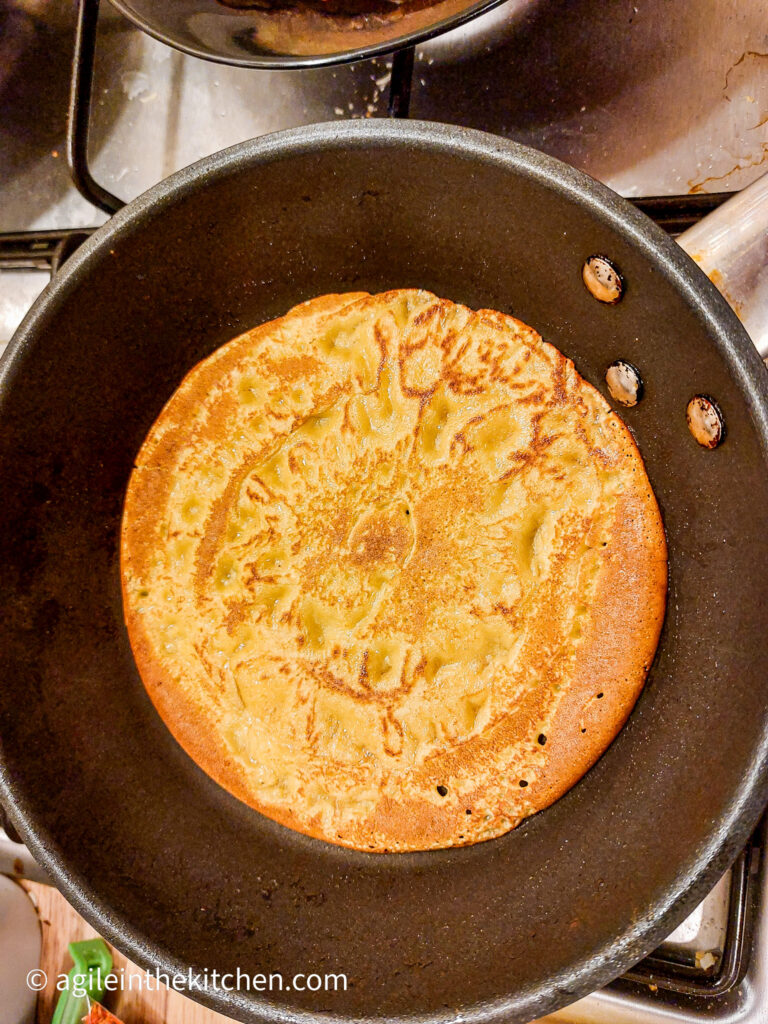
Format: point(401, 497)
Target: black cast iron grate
point(678, 974)
point(681, 973)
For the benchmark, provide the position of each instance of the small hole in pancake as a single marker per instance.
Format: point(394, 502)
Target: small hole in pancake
point(442, 790)
point(542, 739)
point(584, 729)
point(523, 783)
point(469, 810)
point(407, 511)
point(600, 696)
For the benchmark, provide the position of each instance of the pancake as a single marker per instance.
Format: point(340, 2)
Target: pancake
point(393, 572)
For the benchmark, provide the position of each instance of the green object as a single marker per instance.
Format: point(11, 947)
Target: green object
point(85, 982)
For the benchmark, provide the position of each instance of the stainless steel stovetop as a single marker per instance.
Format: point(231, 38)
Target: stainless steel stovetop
point(654, 97)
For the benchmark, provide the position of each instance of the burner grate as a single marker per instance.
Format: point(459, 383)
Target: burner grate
point(674, 213)
point(681, 975)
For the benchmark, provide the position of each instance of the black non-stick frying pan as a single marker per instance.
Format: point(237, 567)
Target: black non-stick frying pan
point(163, 862)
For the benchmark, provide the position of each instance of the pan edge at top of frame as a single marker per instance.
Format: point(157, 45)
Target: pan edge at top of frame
point(292, 38)
point(602, 201)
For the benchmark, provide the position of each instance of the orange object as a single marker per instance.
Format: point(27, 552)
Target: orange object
point(98, 1015)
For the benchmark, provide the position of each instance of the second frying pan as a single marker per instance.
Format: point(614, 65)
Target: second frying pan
point(163, 862)
point(297, 33)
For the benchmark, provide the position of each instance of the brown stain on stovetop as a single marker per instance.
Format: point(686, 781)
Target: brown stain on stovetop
point(722, 180)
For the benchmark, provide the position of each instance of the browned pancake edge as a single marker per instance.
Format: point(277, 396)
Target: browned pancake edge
point(611, 663)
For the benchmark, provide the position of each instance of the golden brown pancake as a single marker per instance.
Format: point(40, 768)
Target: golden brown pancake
point(393, 572)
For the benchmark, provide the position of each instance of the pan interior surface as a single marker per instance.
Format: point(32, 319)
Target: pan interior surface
point(164, 862)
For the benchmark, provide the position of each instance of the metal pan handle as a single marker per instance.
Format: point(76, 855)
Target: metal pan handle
point(731, 247)
point(15, 859)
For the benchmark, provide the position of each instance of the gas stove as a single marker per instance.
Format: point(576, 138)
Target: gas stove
point(665, 102)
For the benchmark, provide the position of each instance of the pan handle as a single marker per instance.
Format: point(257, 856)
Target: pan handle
point(731, 247)
point(15, 859)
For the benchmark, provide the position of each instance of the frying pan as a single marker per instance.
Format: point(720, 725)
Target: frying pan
point(164, 863)
point(293, 35)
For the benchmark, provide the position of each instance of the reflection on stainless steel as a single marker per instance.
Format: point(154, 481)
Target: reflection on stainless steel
point(731, 247)
point(648, 96)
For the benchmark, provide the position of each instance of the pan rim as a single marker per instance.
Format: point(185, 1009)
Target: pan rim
point(704, 865)
point(287, 62)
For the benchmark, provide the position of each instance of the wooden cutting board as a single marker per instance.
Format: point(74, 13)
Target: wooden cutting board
point(61, 924)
